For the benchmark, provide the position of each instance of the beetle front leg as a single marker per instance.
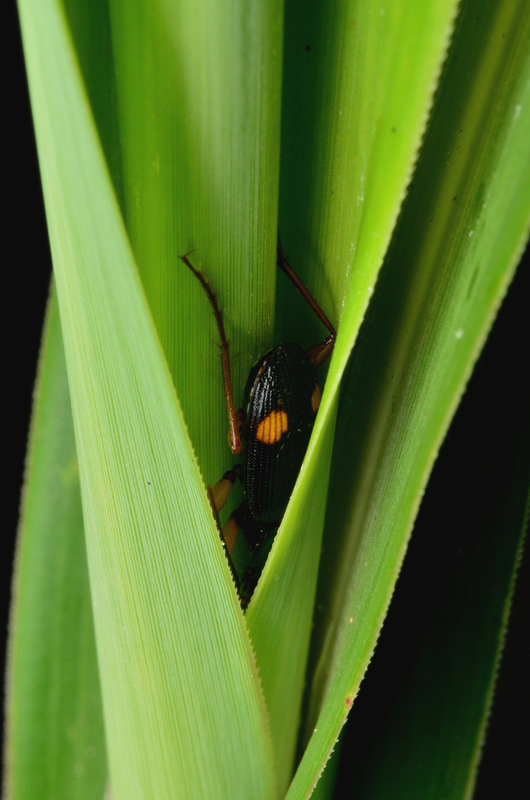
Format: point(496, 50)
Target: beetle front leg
point(229, 532)
point(220, 493)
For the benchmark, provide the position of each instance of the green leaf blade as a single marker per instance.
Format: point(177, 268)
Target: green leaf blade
point(162, 593)
point(55, 745)
point(432, 311)
point(435, 667)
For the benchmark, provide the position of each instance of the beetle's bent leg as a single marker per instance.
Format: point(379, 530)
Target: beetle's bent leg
point(319, 353)
point(235, 441)
point(218, 496)
point(230, 534)
point(220, 493)
point(239, 421)
point(227, 544)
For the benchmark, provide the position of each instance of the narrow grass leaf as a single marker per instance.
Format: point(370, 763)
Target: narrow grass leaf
point(347, 154)
point(183, 709)
point(461, 233)
point(440, 648)
point(55, 745)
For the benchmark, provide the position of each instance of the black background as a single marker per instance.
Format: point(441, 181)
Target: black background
point(28, 268)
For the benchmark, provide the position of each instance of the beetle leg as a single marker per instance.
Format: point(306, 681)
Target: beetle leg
point(235, 441)
point(228, 536)
point(220, 492)
point(319, 353)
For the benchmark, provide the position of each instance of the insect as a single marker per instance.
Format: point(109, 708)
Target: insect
point(282, 396)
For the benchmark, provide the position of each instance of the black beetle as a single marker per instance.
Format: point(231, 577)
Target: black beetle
point(282, 397)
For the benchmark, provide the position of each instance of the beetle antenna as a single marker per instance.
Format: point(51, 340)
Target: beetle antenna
point(235, 441)
point(319, 353)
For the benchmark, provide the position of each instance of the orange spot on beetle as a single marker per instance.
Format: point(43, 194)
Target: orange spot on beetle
point(271, 429)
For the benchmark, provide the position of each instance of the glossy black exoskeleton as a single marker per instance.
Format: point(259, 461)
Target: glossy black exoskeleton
point(282, 397)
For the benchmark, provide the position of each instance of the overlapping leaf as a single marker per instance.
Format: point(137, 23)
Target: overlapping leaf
point(55, 739)
point(455, 249)
point(175, 659)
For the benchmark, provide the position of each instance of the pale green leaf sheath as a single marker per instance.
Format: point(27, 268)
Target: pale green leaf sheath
point(175, 660)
